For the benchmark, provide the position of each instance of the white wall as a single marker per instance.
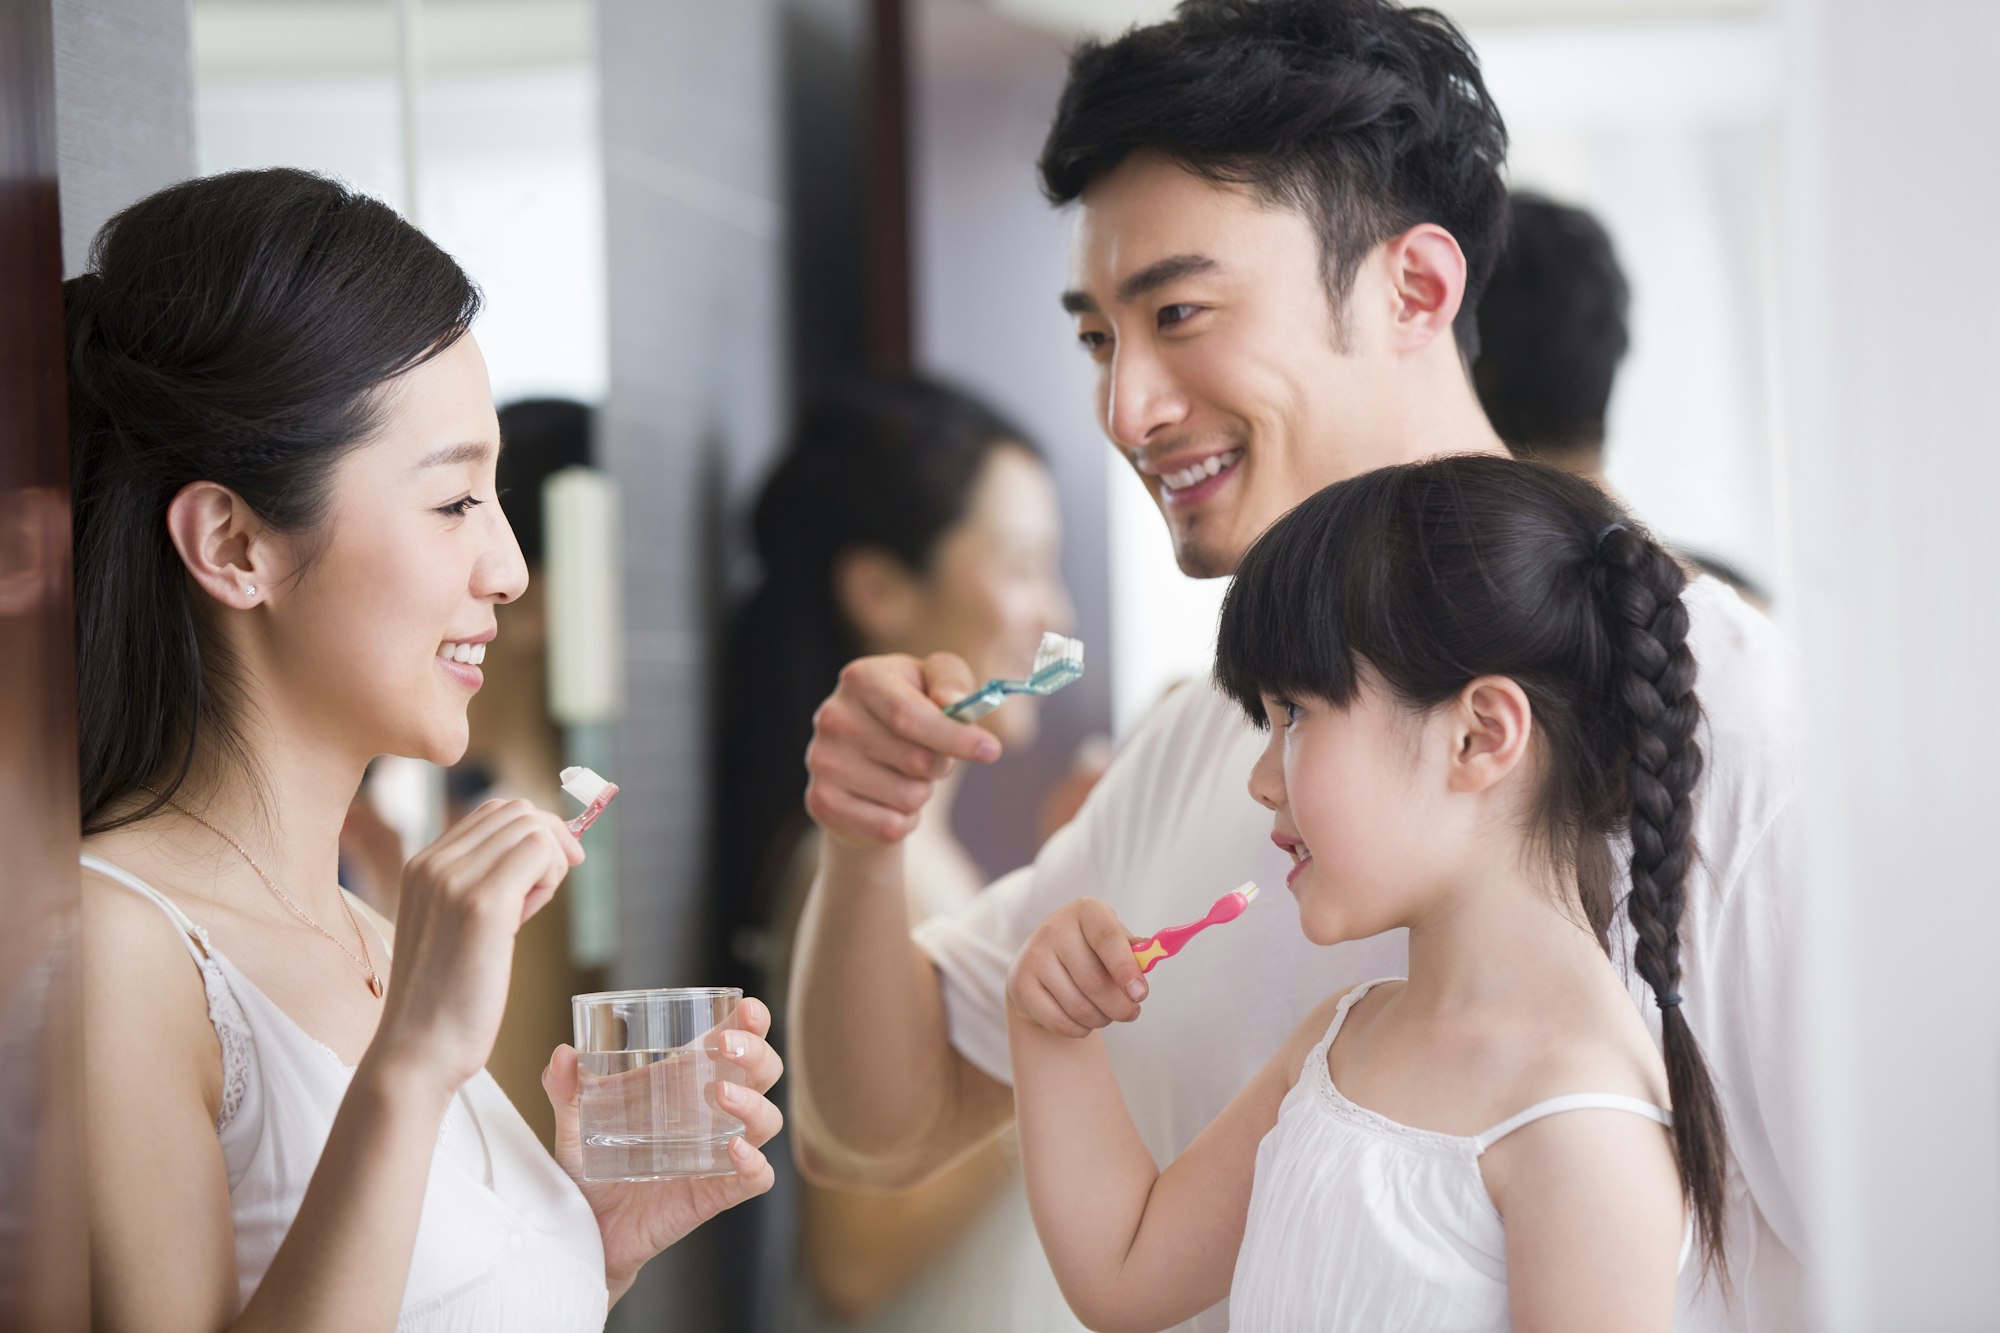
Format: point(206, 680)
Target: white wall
point(510, 183)
point(1891, 275)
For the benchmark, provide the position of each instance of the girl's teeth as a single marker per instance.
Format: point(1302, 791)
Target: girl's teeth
point(470, 654)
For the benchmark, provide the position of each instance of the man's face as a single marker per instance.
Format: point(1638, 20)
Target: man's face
point(1223, 375)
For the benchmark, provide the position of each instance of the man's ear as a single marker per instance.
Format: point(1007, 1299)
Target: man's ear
point(1427, 278)
point(876, 595)
point(1491, 724)
point(226, 548)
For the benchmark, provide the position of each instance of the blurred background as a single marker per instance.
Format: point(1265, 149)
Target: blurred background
point(691, 219)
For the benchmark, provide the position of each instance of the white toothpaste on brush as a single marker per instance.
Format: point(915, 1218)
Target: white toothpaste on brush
point(592, 790)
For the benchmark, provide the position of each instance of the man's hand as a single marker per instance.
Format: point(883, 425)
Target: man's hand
point(881, 743)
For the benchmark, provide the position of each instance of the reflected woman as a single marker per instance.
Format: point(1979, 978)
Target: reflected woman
point(905, 517)
point(287, 550)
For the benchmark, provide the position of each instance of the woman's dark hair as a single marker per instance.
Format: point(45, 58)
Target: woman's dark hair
point(884, 464)
point(231, 329)
point(539, 437)
point(1433, 574)
point(1365, 117)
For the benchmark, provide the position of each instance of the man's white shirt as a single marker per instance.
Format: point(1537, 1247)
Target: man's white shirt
point(1172, 827)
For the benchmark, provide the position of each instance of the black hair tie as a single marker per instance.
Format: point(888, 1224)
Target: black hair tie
point(1669, 1000)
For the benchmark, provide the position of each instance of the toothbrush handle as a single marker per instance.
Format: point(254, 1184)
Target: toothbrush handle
point(593, 810)
point(977, 704)
point(1166, 944)
point(1171, 940)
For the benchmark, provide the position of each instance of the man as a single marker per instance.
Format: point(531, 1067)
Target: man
point(1286, 211)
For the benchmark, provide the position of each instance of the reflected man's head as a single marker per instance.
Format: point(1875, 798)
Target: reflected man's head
point(1287, 212)
point(1552, 331)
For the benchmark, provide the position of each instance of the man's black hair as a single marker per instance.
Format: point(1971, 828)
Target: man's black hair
point(1552, 332)
point(1366, 117)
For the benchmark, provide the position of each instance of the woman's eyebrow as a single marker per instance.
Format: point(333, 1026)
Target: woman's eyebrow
point(472, 451)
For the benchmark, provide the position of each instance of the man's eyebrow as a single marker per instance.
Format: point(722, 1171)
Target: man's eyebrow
point(472, 451)
point(1148, 279)
point(1161, 272)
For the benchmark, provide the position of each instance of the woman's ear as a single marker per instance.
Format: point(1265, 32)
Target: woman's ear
point(877, 597)
point(224, 545)
point(1491, 725)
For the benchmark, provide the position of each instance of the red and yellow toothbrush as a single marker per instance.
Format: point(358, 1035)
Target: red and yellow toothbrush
point(1174, 938)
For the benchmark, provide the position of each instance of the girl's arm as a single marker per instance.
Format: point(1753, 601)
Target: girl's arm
point(1132, 1247)
point(1592, 1205)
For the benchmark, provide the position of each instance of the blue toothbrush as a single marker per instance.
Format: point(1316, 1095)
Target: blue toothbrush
point(1059, 661)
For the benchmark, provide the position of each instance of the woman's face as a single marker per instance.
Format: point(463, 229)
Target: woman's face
point(415, 556)
point(994, 587)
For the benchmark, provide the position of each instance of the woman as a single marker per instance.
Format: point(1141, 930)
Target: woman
point(905, 518)
point(286, 552)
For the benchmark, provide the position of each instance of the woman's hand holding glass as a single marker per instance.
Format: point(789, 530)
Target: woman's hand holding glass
point(638, 1219)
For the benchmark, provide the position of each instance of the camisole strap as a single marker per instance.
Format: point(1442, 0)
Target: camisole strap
point(1347, 1002)
point(196, 937)
point(1576, 1101)
point(225, 1011)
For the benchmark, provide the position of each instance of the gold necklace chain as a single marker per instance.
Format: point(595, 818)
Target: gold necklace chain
point(365, 961)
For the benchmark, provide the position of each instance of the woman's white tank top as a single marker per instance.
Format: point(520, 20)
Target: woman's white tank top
point(506, 1241)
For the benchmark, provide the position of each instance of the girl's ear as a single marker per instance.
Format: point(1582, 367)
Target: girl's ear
point(1491, 724)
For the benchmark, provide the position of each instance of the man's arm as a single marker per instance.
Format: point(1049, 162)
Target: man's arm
point(880, 1097)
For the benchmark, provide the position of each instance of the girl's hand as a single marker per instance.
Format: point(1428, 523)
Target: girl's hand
point(463, 900)
point(1076, 973)
point(638, 1219)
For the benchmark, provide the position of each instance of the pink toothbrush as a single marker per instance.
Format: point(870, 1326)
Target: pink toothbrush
point(593, 791)
point(1174, 938)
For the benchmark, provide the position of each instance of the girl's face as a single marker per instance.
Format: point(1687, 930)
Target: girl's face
point(993, 586)
point(363, 645)
point(1359, 798)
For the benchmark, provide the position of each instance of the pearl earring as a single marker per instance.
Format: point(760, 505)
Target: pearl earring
point(251, 590)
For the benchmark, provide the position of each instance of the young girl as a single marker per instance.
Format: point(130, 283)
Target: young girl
point(1475, 676)
point(288, 560)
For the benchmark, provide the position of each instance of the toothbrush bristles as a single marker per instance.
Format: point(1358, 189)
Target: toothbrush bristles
point(1249, 892)
point(1058, 650)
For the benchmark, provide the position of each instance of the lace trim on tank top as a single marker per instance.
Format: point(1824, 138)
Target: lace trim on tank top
point(232, 1029)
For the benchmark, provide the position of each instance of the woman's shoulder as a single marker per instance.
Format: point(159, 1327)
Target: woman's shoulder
point(141, 973)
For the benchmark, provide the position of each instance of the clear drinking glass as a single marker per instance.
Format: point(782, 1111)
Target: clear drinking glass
point(650, 1062)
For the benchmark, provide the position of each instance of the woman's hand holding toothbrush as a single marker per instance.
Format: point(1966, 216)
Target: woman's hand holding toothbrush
point(463, 900)
point(1077, 972)
point(881, 743)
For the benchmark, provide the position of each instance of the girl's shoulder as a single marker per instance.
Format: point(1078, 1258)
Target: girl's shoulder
point(1307, 1035)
